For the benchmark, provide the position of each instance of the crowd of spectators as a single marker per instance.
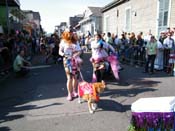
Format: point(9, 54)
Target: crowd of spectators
point(132, 48)
point(11, 44)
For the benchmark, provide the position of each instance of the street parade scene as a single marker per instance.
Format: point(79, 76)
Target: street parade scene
point(87, 65)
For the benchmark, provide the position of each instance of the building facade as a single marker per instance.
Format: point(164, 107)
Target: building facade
point(73, 21)
point(11, 17)
point(92, 21)
point(60, 28)
point(138, 15)
point(32, 22)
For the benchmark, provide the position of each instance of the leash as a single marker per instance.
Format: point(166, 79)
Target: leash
point(81, 76)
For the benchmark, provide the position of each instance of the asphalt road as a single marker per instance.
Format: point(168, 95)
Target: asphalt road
point(38, 101)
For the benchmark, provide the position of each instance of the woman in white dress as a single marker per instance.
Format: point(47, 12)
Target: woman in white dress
point(69, 50)
point(158, 64)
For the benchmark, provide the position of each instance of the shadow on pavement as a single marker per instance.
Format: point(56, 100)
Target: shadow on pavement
point(5, 129)
point(15, 92)
point(50, 83)
point(7, 118)
point(138, 83)
point(114, 93)
point(110, 105)
point(5, 110)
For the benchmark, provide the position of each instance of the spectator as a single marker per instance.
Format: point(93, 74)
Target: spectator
point(173, 34)
point(88, 43)
point(123, 45)
point(162, 36)
point(117, 43)
point(109, 39)
point(51, 44)
point(140, 50)
point(151, 51)
point(2, 48)
point(103, 36)
point(169, 50)
point(141, 34)
point(147, 37)
point(133, 48)
point(20, 65)
point(56, 57)
point(168, 30)
point(5, 54)
point(82, 40)
point(159, 58)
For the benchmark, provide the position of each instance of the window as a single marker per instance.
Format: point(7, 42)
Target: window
point(165, 19)
point(163, 15)
point(106, 24)
point(163, 12)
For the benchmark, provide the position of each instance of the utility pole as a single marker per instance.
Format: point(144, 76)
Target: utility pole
point(7, 16)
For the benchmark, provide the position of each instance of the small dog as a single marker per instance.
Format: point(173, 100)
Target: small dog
point(90, 93)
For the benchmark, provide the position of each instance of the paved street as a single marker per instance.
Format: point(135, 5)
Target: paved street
point(38, 101)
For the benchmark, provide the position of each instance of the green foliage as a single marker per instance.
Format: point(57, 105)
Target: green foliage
point(131, 128)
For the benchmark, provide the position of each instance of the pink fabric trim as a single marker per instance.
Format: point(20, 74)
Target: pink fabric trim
point(112, 59)
point(85, 88)
point(97, 60)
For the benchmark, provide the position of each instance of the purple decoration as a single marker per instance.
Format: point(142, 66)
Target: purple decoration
point(154, 120)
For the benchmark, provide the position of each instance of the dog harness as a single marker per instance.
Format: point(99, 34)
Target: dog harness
point(87, 88)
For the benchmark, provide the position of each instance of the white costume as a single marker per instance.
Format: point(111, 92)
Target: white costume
point(158, 64)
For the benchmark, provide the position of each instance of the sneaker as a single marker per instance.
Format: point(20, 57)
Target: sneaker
point(74, 94)
point(69, 97)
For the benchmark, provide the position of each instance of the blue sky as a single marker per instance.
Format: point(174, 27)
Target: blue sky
point(55, 11)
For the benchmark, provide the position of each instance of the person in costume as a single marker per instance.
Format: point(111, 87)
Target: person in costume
point(69, 50)
point(99, 59)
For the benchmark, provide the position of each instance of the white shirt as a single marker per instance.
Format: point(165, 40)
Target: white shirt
point(116, 41)
point(147, 38)
point(87, 41)
point(168, 43)
point(97, 51)
point(159, 45)
point(67, 49)
point(173, 37)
